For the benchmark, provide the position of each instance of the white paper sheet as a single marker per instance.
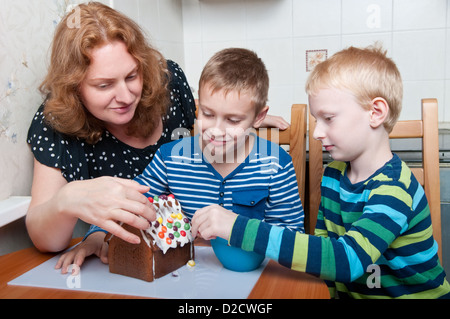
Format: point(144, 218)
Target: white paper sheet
point(207, 280)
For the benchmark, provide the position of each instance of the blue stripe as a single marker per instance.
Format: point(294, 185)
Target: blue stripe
point(399, 218)
point(356, 268)
point(331, 183)
point(274, 244)
point(349, 197)
point(420, 193)
point(400, 262)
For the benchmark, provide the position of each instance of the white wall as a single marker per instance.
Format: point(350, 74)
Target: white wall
point(162, 21)
point(415, 33)
point(26, 31)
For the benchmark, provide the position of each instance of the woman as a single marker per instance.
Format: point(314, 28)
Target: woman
point(105, 115)
point(112, 101)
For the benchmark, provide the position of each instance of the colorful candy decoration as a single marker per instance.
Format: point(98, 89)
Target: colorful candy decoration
point(171, 225)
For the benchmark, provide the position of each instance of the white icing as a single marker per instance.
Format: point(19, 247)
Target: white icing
point(166, 210)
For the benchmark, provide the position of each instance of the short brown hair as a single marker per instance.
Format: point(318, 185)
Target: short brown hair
point(366, 73)
point(71, 57)
point(237, 69)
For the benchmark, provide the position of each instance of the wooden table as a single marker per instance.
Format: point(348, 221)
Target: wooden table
point(275, 282)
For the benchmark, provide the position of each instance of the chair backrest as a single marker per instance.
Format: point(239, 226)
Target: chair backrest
point(427, 174)
point(295, 139)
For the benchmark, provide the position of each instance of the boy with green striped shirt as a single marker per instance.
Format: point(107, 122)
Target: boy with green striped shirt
point(373, 237)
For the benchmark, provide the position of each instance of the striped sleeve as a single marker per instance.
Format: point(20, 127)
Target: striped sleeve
point(384, 221)
point(291, 249)
point(343, 257)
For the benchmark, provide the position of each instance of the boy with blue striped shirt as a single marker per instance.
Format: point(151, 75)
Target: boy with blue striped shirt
point(226, 166)
point(373, 237)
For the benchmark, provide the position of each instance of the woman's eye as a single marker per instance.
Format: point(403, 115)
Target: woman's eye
point(103, 86)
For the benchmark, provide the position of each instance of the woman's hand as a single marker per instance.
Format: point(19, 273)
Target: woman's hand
point(56, 206)
point(94, 244)
point(275, 122)
point(108, 201)
point(213, 221)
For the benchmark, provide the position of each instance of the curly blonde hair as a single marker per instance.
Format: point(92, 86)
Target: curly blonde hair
point(70, 60)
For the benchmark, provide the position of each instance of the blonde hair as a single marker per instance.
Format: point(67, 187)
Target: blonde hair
point(71, 57)
point(237, 69)
point(366, 73)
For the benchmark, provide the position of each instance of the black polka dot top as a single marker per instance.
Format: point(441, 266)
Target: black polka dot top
point(79, 160)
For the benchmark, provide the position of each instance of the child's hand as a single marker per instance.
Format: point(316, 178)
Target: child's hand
point(94, 244)
point(213, 221)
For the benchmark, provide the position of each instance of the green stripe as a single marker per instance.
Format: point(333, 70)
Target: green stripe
point(365, 244)
point(405, 175)
point(416, 279)
point(340, 166)
point(420, 216)
point(330, 226)
point(393, 191)
point(380, 177)
point(328, 263)
point(300, 252)
point(330, 204)
point(412, 238)
point(350, 217)
point(376, 228)
point(251, 230)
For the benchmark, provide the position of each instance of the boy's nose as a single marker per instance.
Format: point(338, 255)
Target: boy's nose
point(318, 133)
point(219, 126)
point(216, 131)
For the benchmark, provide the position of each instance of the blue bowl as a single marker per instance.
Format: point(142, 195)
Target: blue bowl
point(234, 258)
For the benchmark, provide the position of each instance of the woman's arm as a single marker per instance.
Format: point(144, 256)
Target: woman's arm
point(49, 229)
point(275, 121)
point(57, 205)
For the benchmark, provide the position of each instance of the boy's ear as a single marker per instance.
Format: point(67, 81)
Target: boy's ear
point(378, 112)
point(260, 117)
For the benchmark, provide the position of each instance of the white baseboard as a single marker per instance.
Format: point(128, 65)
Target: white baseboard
point(13, 208)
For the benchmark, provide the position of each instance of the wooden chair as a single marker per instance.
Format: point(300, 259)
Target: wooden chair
point(427, 175)
point(295, 138)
